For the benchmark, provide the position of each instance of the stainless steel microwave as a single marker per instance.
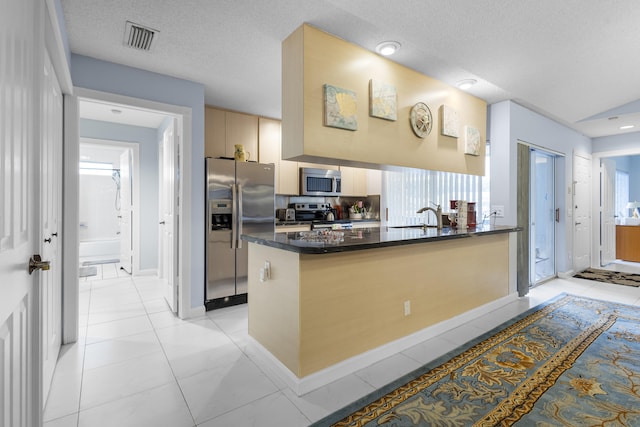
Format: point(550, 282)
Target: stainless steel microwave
point(320, 182)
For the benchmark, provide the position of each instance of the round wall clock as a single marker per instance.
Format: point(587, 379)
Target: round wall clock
point(421, 120)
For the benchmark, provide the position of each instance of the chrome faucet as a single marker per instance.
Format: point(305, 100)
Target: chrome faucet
point(437, 211)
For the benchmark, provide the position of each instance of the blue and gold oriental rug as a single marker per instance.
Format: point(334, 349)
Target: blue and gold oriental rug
point(571, 362)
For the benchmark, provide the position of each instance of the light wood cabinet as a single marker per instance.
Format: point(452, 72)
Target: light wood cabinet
point(628, 242)
point(224, 129)
point(317, 166)
point(286, 179)
point(215, 135)
point(374, 182)
point(360, 182)
point(365, 224)
point(292, 228)
point(354, 181)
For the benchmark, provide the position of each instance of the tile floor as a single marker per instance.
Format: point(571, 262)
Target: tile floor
point(137, 365)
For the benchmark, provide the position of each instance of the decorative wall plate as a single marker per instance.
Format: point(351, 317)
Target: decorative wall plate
point(421, 119)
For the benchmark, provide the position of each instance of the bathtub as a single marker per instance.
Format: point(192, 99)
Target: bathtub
point(100, 249)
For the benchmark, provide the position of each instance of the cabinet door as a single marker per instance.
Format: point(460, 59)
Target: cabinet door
point(354, 181)
point(241, 129)
point(374, 181)
point(269, 145)
point(289, 179)
point(317, 166)
point(214, 132)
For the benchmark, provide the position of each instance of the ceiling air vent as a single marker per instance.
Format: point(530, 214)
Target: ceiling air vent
point(138, 36)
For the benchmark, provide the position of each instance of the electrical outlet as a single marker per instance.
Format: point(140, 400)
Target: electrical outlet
point(499, 210)
point(407, 308)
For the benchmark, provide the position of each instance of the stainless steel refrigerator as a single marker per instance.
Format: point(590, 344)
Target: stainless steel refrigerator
point(240, 200)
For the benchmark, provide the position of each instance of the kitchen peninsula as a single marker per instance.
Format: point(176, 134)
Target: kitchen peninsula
point(328, 299)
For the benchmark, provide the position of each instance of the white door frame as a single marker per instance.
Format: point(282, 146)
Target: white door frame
point(574, 216)
point(595, 178)
point(135, 151)
point(183, 114)
point(606, 212)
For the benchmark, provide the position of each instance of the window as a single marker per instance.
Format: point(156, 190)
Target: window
point(408, 190)
point(622, 193)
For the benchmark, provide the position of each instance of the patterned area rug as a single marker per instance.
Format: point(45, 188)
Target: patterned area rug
point(608, 276)
point(571, 362)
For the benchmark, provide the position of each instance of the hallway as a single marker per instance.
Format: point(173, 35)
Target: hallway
point(138, 365)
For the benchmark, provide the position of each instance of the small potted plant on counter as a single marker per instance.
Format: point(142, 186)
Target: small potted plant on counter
point(357, 210)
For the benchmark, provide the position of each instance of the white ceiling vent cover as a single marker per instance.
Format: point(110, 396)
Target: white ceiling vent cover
point(139, 37)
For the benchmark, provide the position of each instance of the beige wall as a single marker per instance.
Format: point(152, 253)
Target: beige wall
point(312, 58)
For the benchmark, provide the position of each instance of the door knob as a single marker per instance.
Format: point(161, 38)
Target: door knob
point(47, 240)
point(54, 234)
point(36, 263)
point(162, 223)
point(578, 223)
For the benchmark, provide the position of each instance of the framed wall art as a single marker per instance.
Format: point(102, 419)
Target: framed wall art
point(383, 100)
point(449, 121)
point(340, 108)
point(472, 141)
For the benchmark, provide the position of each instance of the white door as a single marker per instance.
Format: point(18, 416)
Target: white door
point(168, 214)
point(20, 336)
point(126, 212)
point(50, 222)
point(607, 211)
point(581, 213)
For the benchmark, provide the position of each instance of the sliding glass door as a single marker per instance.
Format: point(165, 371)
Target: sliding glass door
point(542, 215)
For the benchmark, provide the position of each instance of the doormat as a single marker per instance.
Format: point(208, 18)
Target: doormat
point(88, 271)
point(608, 276)
point(569, 362)
point(102, 261)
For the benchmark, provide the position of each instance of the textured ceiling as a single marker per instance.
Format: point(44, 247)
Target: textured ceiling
point(575, 61)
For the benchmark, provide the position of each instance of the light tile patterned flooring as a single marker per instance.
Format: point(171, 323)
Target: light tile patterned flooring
point(138, 365)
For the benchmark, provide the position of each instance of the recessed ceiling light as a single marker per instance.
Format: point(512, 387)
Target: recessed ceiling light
point(387, 48)
point(116, 111)
point(626, 127)
point(466, 83)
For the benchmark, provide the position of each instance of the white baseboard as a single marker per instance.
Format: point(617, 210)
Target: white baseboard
point(321, 378)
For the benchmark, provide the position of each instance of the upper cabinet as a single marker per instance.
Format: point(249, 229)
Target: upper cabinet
point(354, 181)
point(224, 129)
point(286, 177)
point(360, 182)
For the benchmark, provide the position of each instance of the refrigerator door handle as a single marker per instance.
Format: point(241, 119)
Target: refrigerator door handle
point(239, 245)
point(234, 216)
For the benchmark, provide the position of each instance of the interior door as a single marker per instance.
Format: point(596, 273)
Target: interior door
point(168, 215)
point(126, 212)
point(50, 222)
point(581, 213)
point(20, 336)
point(607, 211)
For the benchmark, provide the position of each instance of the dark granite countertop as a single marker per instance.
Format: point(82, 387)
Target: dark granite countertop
point(279, 223)
point(365, 238)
